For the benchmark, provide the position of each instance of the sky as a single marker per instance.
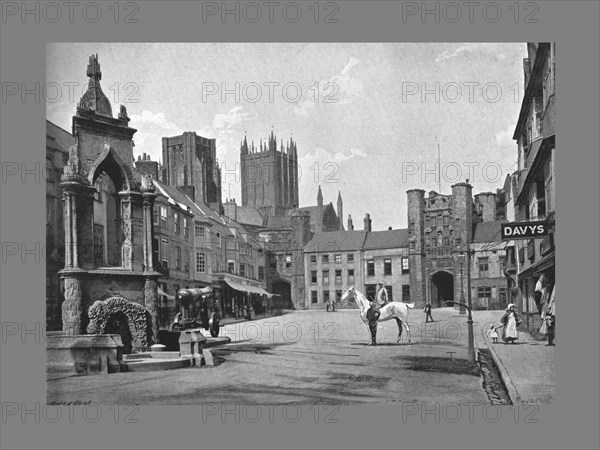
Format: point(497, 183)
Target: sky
point(368, 118)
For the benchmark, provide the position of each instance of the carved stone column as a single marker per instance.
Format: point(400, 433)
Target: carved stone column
point(150, 286)
point(67, 201)
point(149, 197)
point(127, 226)
point(72, 308)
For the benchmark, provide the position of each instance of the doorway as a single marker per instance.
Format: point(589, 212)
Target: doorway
point(442, 289)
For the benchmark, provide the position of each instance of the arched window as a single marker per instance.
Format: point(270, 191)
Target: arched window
point(107, 223)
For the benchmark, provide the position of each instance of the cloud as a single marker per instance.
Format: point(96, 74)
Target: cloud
point(322, 156)
point(342, 89)
point(152, 127)
point(505, 137)
point(231, 119)
point(487, 50)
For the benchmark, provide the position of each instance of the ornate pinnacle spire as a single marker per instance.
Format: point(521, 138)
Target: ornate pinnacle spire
point(94, 99)
point(93, 68)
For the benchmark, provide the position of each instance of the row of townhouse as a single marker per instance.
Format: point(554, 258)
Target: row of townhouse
point(531, 189)
point(335, 261)
point(196, 247)
point(417, 264)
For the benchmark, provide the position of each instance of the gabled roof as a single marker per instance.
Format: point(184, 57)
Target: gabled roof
point(386, 239)
point(487, 231)
point(314, 212)
point(332, 241)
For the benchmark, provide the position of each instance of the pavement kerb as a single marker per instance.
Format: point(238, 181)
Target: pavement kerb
point(512, 390)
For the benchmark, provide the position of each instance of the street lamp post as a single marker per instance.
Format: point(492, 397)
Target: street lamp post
point(462, 304)
point(461, 257)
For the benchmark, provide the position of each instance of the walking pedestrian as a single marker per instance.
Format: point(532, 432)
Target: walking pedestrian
point(511, 321)
point(372, 316)
point(427, 311)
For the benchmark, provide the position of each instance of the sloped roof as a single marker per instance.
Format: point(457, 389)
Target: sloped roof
point(184, 202)
point(249, 216)
point(487, 231)
point(314, 212)
point(279, 223)
point(386, 239)
point(62, 138)
point(332, 241)
point(172, 194)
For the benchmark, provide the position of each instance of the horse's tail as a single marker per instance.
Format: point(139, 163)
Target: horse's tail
point(410, 305)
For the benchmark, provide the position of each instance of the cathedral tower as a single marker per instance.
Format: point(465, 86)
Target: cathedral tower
point(269, 176)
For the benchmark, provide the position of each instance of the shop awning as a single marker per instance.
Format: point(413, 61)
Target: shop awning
point(261, 291)
point(539, 267)
point(247, 288)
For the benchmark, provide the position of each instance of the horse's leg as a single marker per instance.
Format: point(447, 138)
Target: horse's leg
point(407, 330)
point(399, 322)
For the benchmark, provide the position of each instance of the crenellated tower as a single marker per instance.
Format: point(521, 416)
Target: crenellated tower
point(269, 175)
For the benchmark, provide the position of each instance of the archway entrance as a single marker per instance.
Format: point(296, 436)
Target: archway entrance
point(284, 290)
point(442, 288)
point(117, 323)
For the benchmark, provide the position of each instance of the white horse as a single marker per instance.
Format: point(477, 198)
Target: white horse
point(392, 310)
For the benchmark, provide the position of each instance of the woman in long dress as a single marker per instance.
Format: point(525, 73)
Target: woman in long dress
point(511, 321)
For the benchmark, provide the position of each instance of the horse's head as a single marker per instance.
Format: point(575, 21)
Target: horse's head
point(348, 294)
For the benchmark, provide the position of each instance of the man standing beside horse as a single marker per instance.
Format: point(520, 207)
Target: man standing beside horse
point(374, 311)
point(373, 315)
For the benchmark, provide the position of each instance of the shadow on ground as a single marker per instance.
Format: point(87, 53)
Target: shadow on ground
point(438, 365)
point(248, 347)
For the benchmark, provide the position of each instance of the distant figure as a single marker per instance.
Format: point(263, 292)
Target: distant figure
point(493, 334)
point(427, 311)
point(372, 316)
point(511, 321)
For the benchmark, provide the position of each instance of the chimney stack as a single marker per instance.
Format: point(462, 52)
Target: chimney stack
point(230, 209)
point(350, 223)
point(146, 166)
point(368, 222)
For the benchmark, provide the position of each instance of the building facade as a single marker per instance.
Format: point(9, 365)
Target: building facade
point(333, 263)
point(173, 245)
point(452, 247)
point(533, 184)
point(196, 247)
point(58, 142)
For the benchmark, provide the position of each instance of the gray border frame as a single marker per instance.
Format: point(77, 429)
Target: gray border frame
point(571, 423)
